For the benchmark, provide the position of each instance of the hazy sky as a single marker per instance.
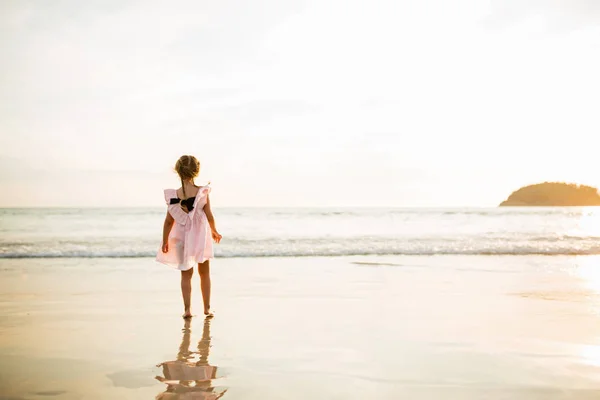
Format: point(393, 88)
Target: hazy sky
point(297, 103)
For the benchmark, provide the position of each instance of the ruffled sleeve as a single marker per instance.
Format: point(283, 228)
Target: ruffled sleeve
point(175, 210)
point(200, 199)
point(204, 191)
point(170, 194)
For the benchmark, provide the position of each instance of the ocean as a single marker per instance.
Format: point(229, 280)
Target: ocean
point(255, 232)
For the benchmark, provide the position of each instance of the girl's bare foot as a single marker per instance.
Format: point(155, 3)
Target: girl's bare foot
point(187, 314)
point(208, 313)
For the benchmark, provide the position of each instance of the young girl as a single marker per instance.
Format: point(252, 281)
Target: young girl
point(188, 232)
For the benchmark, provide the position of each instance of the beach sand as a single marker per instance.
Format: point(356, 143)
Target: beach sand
point(448, 327)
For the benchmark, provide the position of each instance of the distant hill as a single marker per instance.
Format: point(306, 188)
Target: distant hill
point(554, 194)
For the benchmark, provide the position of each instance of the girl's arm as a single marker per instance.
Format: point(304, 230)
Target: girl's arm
point(211, 220)
point(166, 230)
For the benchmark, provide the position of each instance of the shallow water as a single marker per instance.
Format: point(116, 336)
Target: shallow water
point(68, 233)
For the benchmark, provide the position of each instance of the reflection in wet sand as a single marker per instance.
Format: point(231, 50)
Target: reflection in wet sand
point(190, 376)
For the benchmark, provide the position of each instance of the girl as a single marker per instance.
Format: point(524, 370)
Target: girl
point(188, 232)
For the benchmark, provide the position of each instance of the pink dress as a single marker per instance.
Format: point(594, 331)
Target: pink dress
point(190, 239)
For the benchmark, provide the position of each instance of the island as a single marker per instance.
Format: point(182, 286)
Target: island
point(553, 194)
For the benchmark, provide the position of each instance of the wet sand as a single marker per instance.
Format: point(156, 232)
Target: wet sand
point(335, 328)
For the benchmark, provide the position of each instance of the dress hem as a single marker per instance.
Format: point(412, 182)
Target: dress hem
point(182, 267)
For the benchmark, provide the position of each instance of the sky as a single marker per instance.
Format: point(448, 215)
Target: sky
point(329, 103)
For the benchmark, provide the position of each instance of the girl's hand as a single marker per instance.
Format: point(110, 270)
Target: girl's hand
point(165, 247)
point(216, 236)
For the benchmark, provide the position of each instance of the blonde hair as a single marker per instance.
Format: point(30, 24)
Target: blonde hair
point(187, 167)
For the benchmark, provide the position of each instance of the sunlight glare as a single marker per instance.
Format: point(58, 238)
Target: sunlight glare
point(589, 223)
point(588, 269)
point(591, 354)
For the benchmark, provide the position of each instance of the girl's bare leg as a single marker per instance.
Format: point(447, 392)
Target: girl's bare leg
point(186, 291)
point(204, 270)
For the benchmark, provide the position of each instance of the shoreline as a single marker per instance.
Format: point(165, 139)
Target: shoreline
point(318, 256)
